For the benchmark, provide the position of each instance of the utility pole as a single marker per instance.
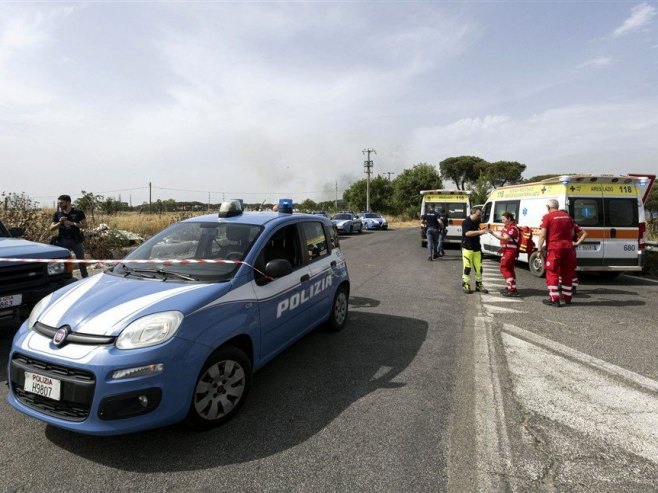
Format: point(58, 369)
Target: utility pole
point(367, 167)
point(389, 173)
point(336, 202)
point(149, 197)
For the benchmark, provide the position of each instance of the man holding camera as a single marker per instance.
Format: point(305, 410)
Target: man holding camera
point(70, 221)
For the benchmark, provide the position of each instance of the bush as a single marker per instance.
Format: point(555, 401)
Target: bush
point(650, 263)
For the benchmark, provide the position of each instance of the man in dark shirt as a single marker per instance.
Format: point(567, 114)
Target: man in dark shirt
point(472, 251)
point(443, 219)
point(69, 221)
point(430, 220)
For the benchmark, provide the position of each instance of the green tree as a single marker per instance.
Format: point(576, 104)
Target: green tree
point(502, 173)
point(480, 190)
point(461, 170)
point(407, 186)
point(308, 206)
point(380, 195)
point(652, 200)
point(89, 203)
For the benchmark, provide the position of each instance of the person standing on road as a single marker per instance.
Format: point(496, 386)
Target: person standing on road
point(69, 221)
point(472, 251)
point(443, 219)
point(509, 244)
point(430, 220)
point(557, 231)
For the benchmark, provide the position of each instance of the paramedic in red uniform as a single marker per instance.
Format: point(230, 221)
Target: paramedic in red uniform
point(557, 230)
point(509, 244)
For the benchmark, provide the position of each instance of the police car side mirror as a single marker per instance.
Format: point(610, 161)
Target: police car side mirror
point(278, 267)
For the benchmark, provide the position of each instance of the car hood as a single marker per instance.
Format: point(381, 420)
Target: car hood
point(340, 221)
point(17, 247)
point(105, 304)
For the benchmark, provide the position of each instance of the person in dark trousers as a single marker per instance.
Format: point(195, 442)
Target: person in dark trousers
point(443, 219)
point(433, 225)
point(70, 221)
point(557, 232)
point(509, 246)
point(472, 251)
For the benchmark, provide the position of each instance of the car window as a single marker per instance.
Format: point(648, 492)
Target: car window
point(505, 206)
point(316, 240)
point(282, 244)
point(342, 216)
point(621, 213)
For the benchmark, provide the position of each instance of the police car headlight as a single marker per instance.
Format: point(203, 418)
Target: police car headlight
point(149, 330)
point(56, 268)
point(38, 310)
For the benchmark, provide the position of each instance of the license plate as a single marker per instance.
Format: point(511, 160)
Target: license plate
point(7, 301)
point(42, 385)
point(588, 246)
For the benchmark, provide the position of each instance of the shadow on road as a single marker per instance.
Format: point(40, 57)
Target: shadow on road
point(293, 398)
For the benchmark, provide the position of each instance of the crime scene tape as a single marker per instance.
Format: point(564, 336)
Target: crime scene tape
point(136, 261)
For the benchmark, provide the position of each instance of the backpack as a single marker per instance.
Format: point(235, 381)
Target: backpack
point(526, 243)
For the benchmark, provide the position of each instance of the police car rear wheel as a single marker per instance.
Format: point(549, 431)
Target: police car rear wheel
point(221, 388)
point(536, 265)
point(339, 310)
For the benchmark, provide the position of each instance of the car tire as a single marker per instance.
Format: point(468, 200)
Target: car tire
point(360, 229)
point(536, 265)
point(349, 231)
point(221, 388)
point(339, 310)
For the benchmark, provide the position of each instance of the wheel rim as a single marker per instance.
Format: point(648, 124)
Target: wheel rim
point(219, 390)
point(340, 308)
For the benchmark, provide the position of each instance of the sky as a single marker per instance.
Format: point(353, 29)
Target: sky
point(261, 100)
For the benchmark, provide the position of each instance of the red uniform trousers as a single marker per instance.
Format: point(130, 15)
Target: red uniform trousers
point(560, 263)
point(507, 268)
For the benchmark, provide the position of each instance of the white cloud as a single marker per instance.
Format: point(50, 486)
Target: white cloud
point(641, 15)
point(598, 62)
point(610, 138)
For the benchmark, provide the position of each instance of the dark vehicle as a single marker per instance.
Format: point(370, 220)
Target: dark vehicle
point(23, 284)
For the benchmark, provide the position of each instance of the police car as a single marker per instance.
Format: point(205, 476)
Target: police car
point(175, 331)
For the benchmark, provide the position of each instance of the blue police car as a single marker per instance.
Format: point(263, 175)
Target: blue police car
point(175, 331)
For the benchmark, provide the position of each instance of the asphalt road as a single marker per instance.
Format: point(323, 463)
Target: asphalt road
point(427, 389)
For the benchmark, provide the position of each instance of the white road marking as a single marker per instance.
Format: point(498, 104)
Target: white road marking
point(583, 392)
point(494, 461)
point(492, 309)
point(490, 298)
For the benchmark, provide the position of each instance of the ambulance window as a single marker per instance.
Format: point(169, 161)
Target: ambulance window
point(455, 210)
point(506, 206)
point(586, 212)
point(315, 240)
point(621, 213)
point(486, 212)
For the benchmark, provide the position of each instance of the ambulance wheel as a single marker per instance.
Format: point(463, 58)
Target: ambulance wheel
point(221, 389)
point(339, 310)
point(536, 265)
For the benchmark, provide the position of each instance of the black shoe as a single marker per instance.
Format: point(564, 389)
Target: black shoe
point(550, 302)
point(436, 255)
point(480, 288)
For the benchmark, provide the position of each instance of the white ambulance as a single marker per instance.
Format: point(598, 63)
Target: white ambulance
point(609, 207)
point(457, 205)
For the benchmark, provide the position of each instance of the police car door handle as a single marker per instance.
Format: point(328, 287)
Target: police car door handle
point(305, 278)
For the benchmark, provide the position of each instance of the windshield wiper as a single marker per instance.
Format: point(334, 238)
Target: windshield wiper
point(165, 273)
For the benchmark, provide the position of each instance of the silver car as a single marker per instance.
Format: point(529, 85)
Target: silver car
point(347, 222)
point(372, 220)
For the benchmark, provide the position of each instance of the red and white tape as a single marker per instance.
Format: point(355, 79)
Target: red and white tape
point(136, 261)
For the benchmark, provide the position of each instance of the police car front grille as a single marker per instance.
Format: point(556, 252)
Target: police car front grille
point(77, 388)
point(39, 366)
point(74, 337)
point(59, 409)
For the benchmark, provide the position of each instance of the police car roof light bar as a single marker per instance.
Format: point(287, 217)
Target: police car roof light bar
point(285, 206)
point(230, 208)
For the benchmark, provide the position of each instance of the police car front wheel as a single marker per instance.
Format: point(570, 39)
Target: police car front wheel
point(221, 388)
point(339, 310)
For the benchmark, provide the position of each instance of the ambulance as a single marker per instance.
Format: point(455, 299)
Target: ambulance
point(610, 208)
point(457, 204)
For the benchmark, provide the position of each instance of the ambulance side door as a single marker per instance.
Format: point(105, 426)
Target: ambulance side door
point(622, 222)
point(588, 212)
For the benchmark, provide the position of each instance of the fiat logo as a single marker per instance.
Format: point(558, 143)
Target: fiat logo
point(60, 336)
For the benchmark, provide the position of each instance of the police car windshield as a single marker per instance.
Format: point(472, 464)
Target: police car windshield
point(199, 250)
